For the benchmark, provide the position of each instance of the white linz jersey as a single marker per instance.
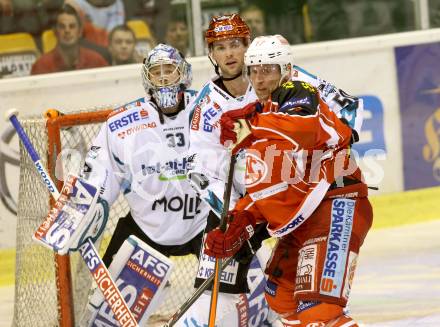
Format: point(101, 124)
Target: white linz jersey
point(342, 104)
point(212, 158)
point(134, 153)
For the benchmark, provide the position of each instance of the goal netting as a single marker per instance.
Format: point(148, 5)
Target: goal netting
point(45, 295)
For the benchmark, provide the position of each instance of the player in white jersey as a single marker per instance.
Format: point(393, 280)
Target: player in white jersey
point(228, 38)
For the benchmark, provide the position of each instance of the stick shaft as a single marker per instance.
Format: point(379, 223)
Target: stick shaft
point(193, 298)
point(218, 261)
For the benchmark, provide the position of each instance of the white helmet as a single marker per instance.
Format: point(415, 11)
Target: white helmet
point(269, 50)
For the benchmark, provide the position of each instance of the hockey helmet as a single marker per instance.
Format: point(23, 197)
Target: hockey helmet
point(165, 75)
point(226, 27)
point(270, 50)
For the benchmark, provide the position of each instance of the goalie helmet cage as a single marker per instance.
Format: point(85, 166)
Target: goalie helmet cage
point(52, 290)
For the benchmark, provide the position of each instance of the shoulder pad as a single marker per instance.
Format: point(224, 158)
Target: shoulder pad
point(296, 97)
point(127, 106)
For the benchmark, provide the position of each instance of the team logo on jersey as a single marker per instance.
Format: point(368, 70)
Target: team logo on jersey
point(128, 119)
point(337, 247)
point(133, 130)
point(195, 121)
point(256, 170)
point(171, 170)
point(304, 305)
point(144, 114)
point(306, 269)
point(117, 111)
point(288, 85)
point(293, 104)
point(188, 205)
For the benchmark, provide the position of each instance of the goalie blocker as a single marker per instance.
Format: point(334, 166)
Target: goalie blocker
point(78, 214)
point(141, 274)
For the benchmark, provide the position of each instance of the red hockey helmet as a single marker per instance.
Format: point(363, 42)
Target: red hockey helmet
point(225, 27)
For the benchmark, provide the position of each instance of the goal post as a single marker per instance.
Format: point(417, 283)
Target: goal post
point(63, 275)
point(52, 290)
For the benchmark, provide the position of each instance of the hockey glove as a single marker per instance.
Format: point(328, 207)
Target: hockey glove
point(235, 129)
point(241, 227)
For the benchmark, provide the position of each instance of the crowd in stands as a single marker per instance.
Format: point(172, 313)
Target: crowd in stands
point(46, 36)
point(42, 36)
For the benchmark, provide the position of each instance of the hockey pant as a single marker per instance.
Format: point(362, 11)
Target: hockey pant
point(311, 270)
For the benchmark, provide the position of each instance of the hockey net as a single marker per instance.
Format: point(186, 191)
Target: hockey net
point(44, 296)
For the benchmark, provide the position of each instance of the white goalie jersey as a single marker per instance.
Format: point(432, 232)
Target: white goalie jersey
point(134, 153)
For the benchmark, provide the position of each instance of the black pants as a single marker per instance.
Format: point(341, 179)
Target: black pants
point(126, 226)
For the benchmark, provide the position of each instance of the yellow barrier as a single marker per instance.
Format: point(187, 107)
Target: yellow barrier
point(7, 267)
point(404, 208)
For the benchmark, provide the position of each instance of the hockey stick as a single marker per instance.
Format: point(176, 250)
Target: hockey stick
point(218, 261)
point(89, 253)
point(193, 298)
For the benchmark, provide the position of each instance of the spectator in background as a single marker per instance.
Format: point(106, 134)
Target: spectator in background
point(279, 17)
point(156, 13)
point(28, 16)
point(68, 54)
point(177, 35)
point(255, 18)
point(434, 13)
point(369, 17)
point(327, 20)
point(105, 14)
point(121, 44)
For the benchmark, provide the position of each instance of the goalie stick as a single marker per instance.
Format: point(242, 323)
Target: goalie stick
point(89, 253)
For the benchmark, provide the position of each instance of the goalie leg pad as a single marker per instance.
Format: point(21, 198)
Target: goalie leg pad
point(141, 274)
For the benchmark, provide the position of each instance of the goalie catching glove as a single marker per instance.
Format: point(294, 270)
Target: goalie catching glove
point(241, 227)
point(235, 130)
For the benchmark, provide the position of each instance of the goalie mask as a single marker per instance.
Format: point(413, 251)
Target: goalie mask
point(165, 75)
